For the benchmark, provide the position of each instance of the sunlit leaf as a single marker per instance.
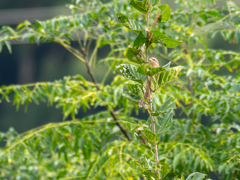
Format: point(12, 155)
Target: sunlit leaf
point(196, 176)
point(163, 77)
point(140, 40)
point(148, 70)
point(155, 2)
point(182, 178)
point(133, 55)
point(162, 122)
point(130, 72)
point(163, 168)
point(167, 105)
point(150, 136)
point(168, 42)
point(141, 6)
point(8, 46)
point(129, 23)
point(133, 92)
point(165, 12)
point(132, 127)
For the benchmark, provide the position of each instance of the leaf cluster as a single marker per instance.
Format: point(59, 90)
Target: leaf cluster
point(94, 147)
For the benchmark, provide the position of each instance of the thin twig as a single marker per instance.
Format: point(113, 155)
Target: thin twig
point(98, 88)
point(154, 131)
point(142, 140)
point(75, 52)
point(91, 75)
point(85, 60)
point(79, 40)
point(120, 126)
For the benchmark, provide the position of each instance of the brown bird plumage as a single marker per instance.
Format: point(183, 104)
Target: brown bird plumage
point(154, 62)
point(148, 93)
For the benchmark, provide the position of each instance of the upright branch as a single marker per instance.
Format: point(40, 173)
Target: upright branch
point(150, 77)
point(148, 94)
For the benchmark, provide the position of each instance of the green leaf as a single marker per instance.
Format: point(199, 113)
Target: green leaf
point(165, 12)
point(31, 39)
point(182, 178)
point(163, 168)
point(214, 13)
point(129, 23)
point(133, 98)
point(130, 71)
point(147, 70)
point(234, 66)
point(66, 156)
point(163, 122)
point(132, 127)
point(168, 42)
point(166, 106)
point(196, 162)
point(176, 160)
point(163, 77)
point(35, 99)
point(132, 55)
point(40, 94)
point(133, 92)
point(141, 6)
point(29, 36)
point(145, 163)
point(203, 17)
point(8, 46)
point(196, 176)
point(199, 23)
point(150, 136)
point(140, 40)
point(154, 2)
point(26, 106)
point(136, 89)
point(150, 175)
point(148, 171)
point(236, 87)
point(228, 67)
point(167, 66)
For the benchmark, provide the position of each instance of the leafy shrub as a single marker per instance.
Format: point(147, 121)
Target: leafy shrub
point(113, 143)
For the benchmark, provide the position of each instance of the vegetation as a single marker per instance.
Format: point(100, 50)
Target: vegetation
point(115, 144)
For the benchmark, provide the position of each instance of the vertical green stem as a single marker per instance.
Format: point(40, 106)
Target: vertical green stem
point(148, 88)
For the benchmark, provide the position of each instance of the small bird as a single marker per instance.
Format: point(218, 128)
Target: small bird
point(154, 62)
point(148, 93)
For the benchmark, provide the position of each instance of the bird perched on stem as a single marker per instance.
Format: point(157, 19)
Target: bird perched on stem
point(154, 62)
point(148, 93)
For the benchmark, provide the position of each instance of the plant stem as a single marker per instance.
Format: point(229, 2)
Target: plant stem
point(153, 129)
point(120, 126)
point(89, 70)
point(83, 58)
point(91, 75)
point(149, 94)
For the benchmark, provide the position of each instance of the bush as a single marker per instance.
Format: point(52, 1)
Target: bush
point(113, 143)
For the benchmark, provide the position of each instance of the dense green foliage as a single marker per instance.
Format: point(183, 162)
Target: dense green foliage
point(114, 144)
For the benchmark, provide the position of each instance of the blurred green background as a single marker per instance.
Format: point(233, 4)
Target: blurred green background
point(47, 62)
